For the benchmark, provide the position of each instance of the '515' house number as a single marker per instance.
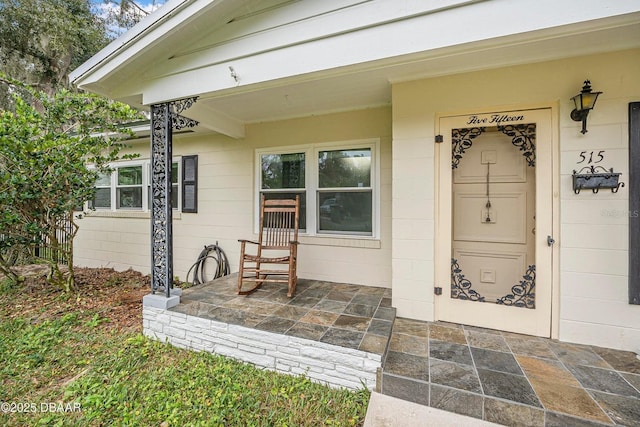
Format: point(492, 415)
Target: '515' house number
point(594, 177)
point(583, 157)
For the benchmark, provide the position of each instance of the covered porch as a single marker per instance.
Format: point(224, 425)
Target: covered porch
point(348, 335)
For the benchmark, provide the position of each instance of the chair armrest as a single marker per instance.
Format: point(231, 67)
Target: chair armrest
point(248, 241)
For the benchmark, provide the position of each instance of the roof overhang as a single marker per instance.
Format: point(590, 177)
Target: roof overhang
point(251, 61)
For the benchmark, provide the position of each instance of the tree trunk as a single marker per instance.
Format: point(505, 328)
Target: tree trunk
point(5, 268)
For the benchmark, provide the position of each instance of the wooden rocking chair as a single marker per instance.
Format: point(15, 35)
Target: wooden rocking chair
point(278, 238)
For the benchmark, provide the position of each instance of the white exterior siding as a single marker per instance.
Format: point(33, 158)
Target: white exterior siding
point(592, 288)
point(226, 195)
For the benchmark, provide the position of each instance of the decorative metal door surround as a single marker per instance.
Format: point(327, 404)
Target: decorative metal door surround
point(522, 295)
point(164, 118)
point(523, 137)
point(461, 141)
point(461, 286)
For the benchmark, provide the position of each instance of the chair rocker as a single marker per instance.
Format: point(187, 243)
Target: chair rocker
point(277, 247)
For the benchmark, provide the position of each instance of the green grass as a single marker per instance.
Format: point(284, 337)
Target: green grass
point(123, 378)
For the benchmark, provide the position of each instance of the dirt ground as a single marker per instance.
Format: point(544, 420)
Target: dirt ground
point(114, 295)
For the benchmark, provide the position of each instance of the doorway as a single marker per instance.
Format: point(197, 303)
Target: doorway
point(495, 210)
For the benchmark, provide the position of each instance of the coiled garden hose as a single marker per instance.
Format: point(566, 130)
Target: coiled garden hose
point(210, 252)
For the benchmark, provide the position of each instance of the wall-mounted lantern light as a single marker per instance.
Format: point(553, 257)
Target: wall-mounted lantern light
point(584, 101)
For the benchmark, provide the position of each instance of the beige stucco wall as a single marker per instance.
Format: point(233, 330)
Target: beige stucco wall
point(591, 290)
point(226, 202)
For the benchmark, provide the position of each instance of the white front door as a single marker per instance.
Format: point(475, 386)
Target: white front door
point(494, 223)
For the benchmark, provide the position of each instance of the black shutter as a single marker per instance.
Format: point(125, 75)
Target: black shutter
point(190, 184)
point(634, 203)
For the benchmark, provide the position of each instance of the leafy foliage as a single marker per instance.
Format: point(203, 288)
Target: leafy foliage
point(122, 15)
point(41, 41)
point(43, 167)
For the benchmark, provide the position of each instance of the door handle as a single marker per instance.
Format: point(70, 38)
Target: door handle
point(550, 241)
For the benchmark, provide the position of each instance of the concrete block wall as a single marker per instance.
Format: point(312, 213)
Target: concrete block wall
point(323, 363)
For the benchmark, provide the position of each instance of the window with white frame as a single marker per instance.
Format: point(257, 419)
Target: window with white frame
point(345, 193)
point(337, 184)
point(128, 187)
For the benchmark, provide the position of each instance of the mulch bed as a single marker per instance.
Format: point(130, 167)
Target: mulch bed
point(116, 296)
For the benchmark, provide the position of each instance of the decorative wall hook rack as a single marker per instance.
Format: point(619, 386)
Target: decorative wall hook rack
point(595, 178)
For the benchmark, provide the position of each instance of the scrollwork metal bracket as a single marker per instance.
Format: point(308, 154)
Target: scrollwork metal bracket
point(177, 107)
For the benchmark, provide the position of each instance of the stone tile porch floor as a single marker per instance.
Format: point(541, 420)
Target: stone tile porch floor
point(501, 377)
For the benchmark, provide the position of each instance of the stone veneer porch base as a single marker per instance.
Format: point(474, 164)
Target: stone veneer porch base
point(324, 363)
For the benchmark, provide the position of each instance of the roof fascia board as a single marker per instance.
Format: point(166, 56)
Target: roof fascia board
point(299, 23)
point(271, 17)
point(149, 31)
point(264, 39)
